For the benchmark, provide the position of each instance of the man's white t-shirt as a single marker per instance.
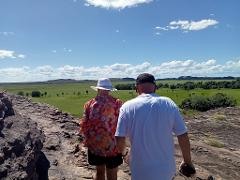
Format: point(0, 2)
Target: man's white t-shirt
point(149, 121)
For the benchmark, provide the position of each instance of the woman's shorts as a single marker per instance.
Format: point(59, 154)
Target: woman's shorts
point(110, 162)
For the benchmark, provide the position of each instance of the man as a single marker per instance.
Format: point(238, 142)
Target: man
point(98, 126)
point(150, 121)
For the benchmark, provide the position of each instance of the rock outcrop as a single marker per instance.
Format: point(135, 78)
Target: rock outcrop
point(20, 147)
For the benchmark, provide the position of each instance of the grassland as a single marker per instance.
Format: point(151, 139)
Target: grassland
point(70, 97)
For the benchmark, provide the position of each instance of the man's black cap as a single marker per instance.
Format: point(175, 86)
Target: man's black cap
point(145, 78)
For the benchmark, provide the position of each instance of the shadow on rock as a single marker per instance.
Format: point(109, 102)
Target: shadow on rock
point(42, 167)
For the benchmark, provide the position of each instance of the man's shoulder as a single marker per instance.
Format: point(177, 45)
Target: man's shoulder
point(131, 102)
point(167, 100)
point(164, 98)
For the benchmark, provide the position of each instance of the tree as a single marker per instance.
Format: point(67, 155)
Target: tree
point(188, 85)
point(36, 93)
point(20, 93)
point(222, 100)
point(173, 86)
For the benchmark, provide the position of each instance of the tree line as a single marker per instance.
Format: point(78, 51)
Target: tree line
point(37, 93)
point(189, 85)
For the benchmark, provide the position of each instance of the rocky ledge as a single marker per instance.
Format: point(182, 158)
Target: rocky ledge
point(20, 147)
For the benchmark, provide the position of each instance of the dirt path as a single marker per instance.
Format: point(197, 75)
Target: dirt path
point(60, 146)
point(68, 160)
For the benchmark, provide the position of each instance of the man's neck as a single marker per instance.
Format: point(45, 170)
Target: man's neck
point(146, 93)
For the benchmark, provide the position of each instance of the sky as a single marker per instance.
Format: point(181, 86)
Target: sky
point(90, 39)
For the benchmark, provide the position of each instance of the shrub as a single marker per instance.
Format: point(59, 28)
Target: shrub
point(197, 102)
point(222, 100)
point(36, 93)
point(125, 86)
point(173, 86)
point(20, 93)
point(188, 85)
point(214, 142)
point(159, 85)
point(203, 103)
point(219, 117)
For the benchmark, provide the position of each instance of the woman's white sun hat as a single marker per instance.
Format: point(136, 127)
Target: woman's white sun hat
point(104, 84)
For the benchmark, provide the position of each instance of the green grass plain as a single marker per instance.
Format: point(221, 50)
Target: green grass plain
point(72, 96)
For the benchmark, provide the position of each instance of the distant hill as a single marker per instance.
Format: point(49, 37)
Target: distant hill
point(200, 78)
point(62, 81)
point(205, 78)
point(128, 79)
point(59, 81)
point(68, 81)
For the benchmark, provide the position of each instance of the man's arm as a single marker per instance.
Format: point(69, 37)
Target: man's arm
point(186, 167)
point(121, 144)
point(184, 144)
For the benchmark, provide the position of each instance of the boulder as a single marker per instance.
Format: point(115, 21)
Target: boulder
point(20, 149)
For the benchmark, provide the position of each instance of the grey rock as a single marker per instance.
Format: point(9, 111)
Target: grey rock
point(20, 148)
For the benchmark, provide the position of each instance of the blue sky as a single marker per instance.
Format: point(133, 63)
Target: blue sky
point(89, 39)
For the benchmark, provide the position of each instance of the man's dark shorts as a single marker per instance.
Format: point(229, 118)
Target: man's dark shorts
point(110, 162)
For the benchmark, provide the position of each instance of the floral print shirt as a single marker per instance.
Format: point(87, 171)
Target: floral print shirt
point(98, 124)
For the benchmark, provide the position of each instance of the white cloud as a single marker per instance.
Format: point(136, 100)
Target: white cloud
point(15, 74)
point(161, 28)
point(116, 4)
point(54, 51)
point(86, 4)
point(44, 70)
point(6, 54)
point(10, 54)
point(22, 56)
point(186, 25)
point(5, 33)
point(173, 68)
point(67, 50)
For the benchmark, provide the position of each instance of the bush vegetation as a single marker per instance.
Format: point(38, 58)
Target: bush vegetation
point(20, 93)
point(204, 103)
point(219, 117)
point(36, 93)
point(214, 142)
point(189, 85)
point(125, 86)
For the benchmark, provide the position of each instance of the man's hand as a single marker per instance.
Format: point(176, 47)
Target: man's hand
point(126, 156)
point(187, 169)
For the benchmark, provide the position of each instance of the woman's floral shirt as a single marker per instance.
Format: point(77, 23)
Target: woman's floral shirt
point(98, 124)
